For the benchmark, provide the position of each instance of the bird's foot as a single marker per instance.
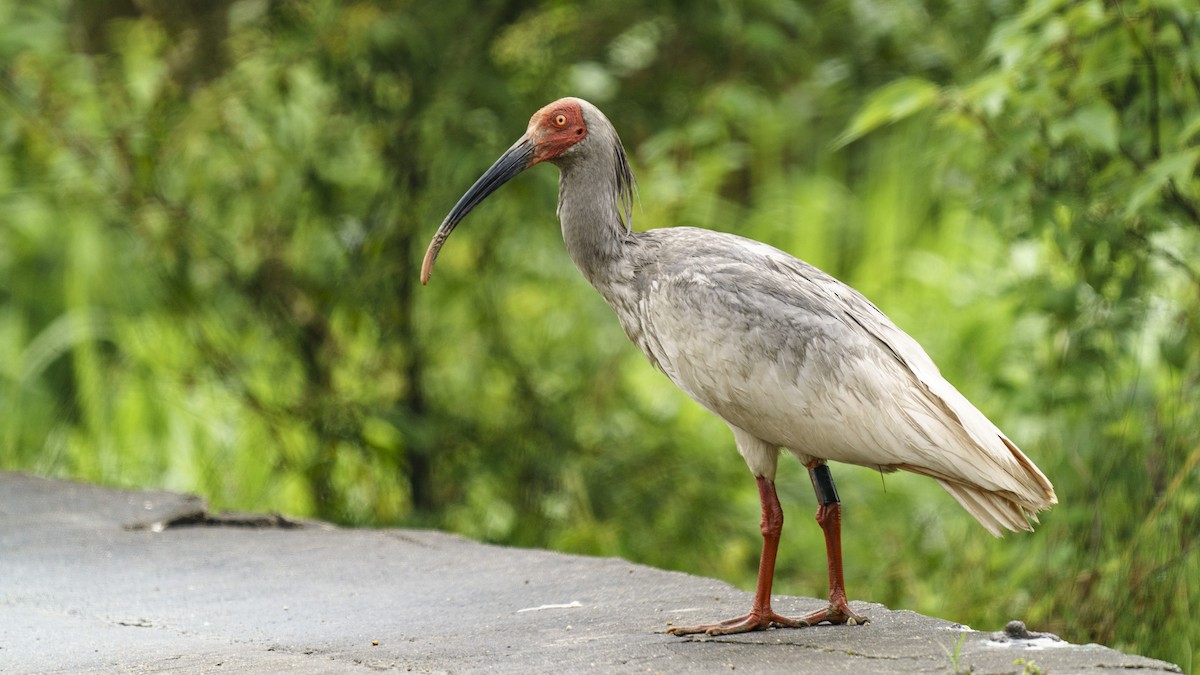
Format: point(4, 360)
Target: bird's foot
point(838, 612)
point(755, 620)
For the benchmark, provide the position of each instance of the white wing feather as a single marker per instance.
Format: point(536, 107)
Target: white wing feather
point(792, 357)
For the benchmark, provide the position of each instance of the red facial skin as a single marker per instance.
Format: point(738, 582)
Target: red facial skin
point(556, 128)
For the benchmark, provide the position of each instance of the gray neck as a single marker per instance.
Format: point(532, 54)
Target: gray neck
point(592, 228)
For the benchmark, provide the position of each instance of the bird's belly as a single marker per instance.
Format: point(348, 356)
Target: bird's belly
point(823, 407)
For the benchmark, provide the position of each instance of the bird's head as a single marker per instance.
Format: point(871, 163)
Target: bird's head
point(556, 129)
point(555, 133)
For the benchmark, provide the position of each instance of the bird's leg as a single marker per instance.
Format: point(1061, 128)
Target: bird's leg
point(761, 616)
point(829, 517)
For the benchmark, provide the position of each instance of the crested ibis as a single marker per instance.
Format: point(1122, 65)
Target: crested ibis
point(788, 356)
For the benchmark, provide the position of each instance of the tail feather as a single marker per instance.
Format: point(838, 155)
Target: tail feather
point(958, 445)
point(996, 511)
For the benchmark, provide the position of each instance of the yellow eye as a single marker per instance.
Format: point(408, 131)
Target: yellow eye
point(560, 120)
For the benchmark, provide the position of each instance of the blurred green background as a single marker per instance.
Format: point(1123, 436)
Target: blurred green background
point(212, 216)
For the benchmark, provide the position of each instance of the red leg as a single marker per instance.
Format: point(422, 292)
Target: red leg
point(761, 616)
point(829, 517)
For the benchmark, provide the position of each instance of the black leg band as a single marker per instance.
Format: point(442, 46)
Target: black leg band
point(823, 483)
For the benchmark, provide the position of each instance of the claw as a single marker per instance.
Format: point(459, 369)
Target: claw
point(755, 620)
point(837, 613)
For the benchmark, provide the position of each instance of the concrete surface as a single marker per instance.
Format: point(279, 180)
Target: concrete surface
point(100, 580)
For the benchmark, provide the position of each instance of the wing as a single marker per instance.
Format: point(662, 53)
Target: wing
point(800, 360)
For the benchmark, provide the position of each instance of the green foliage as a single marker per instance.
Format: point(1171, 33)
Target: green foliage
point(954, 655)
point(1029, 667)
point(893, 102)
point(1086, 156)
point(213, 215)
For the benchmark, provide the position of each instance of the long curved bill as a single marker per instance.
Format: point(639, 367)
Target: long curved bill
point(514, 160)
